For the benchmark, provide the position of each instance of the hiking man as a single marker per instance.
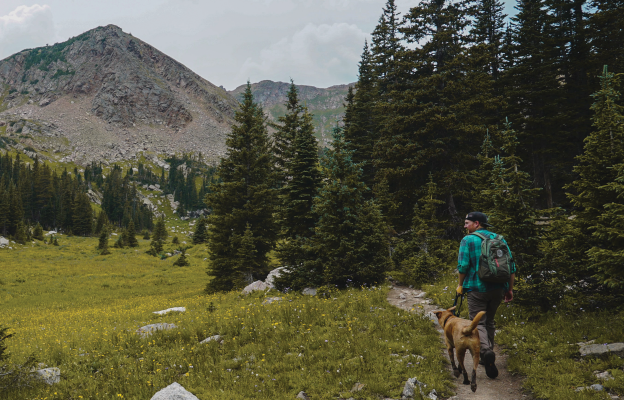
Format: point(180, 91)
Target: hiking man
point(484, 293)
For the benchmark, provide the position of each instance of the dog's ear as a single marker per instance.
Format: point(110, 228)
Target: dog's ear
point(452, 308)
point(437, 313)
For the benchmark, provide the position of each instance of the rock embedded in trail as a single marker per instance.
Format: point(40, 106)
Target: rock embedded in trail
point(168, 310)
point(147, 330)
point(175, 391)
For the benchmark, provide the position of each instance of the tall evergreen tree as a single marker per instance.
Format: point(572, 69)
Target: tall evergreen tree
point(103, 241)
point(201, 234)
point(246, 195)
point(349, 246)
point(359, 120)
point(131, 240)
point(82, 215)
point(284, 137)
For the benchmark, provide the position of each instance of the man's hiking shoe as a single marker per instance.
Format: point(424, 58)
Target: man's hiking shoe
point(488, 361)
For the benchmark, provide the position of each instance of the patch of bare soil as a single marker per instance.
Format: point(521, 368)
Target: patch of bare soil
point(505, 387)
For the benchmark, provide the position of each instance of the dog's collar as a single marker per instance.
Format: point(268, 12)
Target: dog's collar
point(444, 323)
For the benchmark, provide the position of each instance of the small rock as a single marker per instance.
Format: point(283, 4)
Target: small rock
point(271, 300)
point(420, 295)
point(357, 387)
point(303, 396)
point(49, 375)
point(605, 376)
point(175, 391)
point(402, 296)
point(257, 285)
point(210, 339)
point(309, 291)
point(147, 330)
point(168, 310)
point(598, 350)
point(596, 387)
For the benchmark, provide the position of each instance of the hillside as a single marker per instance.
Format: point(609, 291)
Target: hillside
point(106, 95)
point(327, 105)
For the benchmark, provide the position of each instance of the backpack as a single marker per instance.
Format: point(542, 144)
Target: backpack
point(495, 261)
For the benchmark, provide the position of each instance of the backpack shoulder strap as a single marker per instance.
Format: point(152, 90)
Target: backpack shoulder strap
point(480, 235)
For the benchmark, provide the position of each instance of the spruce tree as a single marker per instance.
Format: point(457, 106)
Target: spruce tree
point(120, 243)
point(158, 238)
point(20, 233)
point(82, 215)
point(103, 241)
point(55, 242)
point(102, 220)
point(182, 261)
point(349, 246)
point(595, 193)
point(247, 256)
point(38, 232)
point(200, 235)
point(285, 134)
point(175, 240)
point(245, 195)
point(296, 197)
point(427, 251)
point(131, 240)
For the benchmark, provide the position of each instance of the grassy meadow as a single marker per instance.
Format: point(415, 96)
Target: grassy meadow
point(76, 310)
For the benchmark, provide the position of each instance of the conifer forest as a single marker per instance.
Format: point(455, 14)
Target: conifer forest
point(456, 109)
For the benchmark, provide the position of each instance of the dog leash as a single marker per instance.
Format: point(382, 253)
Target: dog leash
point(461, 302)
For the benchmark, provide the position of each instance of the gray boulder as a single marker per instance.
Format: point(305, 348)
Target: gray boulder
point(3, 242)
point(175, 391)
point(210, 339)
point(309, 291)
point(147, 330)
point(270, 279)
point(303, 396)
point(257, 285)
point(409, 390)
point(600, 350)
point(271, 300)
point(49, 375)
point(168, 310)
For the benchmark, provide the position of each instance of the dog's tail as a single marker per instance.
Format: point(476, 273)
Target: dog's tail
point(473, 324)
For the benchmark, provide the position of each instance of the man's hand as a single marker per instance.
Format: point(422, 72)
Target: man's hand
point(508, 296)
point(460, 289)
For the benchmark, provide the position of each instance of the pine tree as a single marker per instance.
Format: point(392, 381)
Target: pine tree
point(82, 215)
point(285, 134)
point(200, 235)
point(596, 190)
point(146, 234)
point(20, 233)
point(247, 258)
point(245, 196)
point(102, 220)
point(349, 246)
point(427, 252)
point(158, 238)
point(55, 242)
point(182, 261)
point(131, 240)
point(175, 240)
point(359, 121)
point(38, 232)
point(296, 197)
point(120, 243)
point(103, 242)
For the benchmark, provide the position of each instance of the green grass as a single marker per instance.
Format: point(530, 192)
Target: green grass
point(76, 310)
point(543, 346)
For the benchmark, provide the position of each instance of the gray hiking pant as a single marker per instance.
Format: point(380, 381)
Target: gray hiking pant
point(488, 302)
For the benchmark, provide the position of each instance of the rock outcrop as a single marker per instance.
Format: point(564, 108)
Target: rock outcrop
point(110, 93)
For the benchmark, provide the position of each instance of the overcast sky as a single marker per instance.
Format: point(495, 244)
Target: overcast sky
point(314, 42)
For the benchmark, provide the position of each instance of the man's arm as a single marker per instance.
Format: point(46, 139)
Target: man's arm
point(461, 283)
point(509, 293)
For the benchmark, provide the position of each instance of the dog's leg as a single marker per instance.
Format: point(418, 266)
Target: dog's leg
point(475, 365)
point(451, 353)
point(460, 359)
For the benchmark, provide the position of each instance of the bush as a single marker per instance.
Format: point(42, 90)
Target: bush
point(175, 240)
point(3, 336)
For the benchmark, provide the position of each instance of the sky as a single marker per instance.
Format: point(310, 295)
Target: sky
point(313, 42)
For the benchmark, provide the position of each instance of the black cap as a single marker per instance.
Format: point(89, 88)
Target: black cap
point(477, 216)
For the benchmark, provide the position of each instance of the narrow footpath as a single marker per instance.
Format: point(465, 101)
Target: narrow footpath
point(504, 387)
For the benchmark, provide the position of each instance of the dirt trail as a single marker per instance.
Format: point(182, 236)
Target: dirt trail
point(504, 387)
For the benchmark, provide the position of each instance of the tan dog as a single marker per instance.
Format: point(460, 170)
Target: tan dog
point(461, 335)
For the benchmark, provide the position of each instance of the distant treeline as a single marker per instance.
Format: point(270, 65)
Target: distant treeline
point(35, 194)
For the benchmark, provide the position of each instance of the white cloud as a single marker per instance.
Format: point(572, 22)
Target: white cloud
point(26, 27)
point(310, 56)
